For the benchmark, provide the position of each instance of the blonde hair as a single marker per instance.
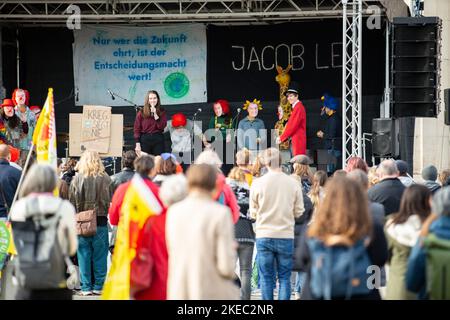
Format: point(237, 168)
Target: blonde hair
point(343, 216)
point(372, 175)
point(444, 176)
point(237, 174)
point(319, 179)
point(257, 166)
point(272, 158)
point(243, 157)
point(303, 170)
point(90, 164)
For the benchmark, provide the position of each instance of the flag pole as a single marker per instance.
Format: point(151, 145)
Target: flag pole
point(24, 171)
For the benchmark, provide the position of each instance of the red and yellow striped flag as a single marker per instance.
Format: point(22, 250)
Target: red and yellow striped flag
point(139, 203)
point(44, 136)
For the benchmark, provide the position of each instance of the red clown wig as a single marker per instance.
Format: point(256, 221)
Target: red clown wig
point(27, 96)
point(225, 106)
point(178, 120)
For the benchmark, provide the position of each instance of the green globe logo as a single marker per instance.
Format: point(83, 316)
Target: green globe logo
point(176, 85)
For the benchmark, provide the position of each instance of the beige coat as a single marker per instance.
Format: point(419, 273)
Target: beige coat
point(202, 254)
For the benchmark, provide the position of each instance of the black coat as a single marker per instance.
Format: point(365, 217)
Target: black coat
point(388, 192)
point(9, 180)
point(333, 132)
point(301, 224)
point(123, 176)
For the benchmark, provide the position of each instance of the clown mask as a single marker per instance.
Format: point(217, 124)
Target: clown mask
point(9, 111)
point(280, 112)
point(218, 109)
point(20, 98)
point(252, 110)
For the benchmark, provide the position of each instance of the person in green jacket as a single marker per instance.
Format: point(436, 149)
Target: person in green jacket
point(221, 122)
point(402, 232)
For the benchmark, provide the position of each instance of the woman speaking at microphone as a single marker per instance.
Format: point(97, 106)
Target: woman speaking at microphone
point(149, 126)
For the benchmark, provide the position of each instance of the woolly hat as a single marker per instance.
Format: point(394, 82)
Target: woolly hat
point(329, 102)
point(441, 202)
point(429, 173)
point(178, 120)
point(402, 166)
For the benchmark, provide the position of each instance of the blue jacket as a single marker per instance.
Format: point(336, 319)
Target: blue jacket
point(416, 273)
point(9, 180)
point(246, 138)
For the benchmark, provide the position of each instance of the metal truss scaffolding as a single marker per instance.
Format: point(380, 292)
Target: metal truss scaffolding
point(351, 79)
point(147, 12)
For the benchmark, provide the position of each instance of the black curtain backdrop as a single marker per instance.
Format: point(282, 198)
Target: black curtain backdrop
point(47, 61)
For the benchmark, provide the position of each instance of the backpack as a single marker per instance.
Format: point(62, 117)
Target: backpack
point(221, 198)
point(338, 271)
point(40, 262)
point(437, 267)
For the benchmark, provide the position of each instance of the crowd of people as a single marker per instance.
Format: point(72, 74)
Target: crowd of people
point(305, 234)
point(262, 225)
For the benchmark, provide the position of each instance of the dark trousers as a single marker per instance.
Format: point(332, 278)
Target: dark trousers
point(152, 143)
point(245, 255)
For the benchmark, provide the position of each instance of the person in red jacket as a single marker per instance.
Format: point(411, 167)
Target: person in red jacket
point(296, 125)
point(157, 291)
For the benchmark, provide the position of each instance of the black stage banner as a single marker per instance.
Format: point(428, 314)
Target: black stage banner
point(242, 60)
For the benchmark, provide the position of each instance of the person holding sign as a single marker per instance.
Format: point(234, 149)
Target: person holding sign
point(149, 126)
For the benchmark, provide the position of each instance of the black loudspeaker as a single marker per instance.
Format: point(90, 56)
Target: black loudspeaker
point(447, 106)
point(415, 66)
point(385, 141)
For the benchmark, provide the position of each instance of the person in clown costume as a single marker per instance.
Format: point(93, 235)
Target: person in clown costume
point(221, 128)
point(21, 100)
point(181, 132)
point(12, 126)
point(332, 134)
point(251, 133)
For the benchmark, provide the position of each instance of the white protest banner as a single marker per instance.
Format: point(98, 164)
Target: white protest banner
point(130, 61)
point(96, 128)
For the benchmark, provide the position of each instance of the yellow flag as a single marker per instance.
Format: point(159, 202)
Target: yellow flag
point(44, 136)
point(139, 203)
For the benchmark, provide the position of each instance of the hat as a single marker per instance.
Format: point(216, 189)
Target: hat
point(441, 202)
point(248, 103)
point(430, 173)
point(293, 88)
point(7, 103)
point(178, 120)
point(402, 166)
point(301, 159)
point(330, 102)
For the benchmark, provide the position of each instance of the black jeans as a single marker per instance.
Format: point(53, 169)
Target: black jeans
point(152, 143)
point(245, 254)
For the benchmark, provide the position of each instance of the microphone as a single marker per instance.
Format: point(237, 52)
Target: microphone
point(198, 111)
point(236, 117)
point(112, 95)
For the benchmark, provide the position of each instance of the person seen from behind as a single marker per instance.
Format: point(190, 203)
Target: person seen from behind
point(55, 237)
